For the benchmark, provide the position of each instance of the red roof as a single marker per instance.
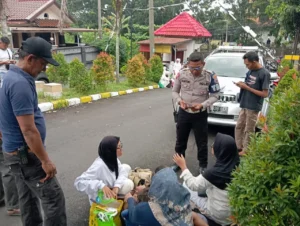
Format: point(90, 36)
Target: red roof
point(22, 9)
point(184, 25)
point(165, 40)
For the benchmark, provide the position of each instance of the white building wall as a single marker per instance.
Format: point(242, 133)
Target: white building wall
point(190, 48)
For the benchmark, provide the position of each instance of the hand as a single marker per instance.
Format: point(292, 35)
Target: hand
point(12, 62)
point(108, 193)
point(116, 191)
point(183, 105)
point(139, 188)
point(50, 170)
point(127, 196)
point(180, 161)
point(197, 107)
point(242, 85)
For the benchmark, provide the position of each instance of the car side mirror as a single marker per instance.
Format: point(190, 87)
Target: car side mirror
point(274, 76)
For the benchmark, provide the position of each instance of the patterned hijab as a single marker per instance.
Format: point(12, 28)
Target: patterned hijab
point(169, 200)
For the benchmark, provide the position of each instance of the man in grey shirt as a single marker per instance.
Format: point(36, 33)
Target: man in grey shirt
point(253, 91)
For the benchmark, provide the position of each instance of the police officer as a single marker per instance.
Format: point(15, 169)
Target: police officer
point(195, 89)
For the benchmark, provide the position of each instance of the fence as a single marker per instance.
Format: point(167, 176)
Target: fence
point(86, 54)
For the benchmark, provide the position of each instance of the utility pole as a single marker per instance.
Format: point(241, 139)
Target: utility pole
point(99, 19)
point(226, 40)
point(63, 12)
point(151, 28)
point(118, 16)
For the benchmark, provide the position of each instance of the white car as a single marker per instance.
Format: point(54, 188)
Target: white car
point(230, 68)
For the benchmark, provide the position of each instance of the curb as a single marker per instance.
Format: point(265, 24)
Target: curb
point(58, 104)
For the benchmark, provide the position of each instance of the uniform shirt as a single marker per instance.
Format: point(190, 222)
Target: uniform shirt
point(18, 97)
point(203, 89)
point(4, 56)
point(259, 80)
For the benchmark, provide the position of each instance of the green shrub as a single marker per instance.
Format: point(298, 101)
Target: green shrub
point(59, 74)
point(266, 186)
point(286, 81)
point(80, 78)
point(102, 43)
point(157, 68)
point(146, 65)
point(124, 69)
point(135, 72)
point(103, 69)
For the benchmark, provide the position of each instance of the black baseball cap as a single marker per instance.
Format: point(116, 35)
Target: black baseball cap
point(40, 48)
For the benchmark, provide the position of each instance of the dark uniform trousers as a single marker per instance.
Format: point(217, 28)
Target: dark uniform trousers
point(197, 122)
point(32, 192)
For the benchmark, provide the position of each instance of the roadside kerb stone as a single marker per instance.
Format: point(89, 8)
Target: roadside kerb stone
point(86, 99)
point(58, 104)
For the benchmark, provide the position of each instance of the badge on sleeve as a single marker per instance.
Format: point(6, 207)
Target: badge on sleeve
point(214, 86)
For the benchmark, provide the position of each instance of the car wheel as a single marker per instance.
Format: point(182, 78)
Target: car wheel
point(43, 80)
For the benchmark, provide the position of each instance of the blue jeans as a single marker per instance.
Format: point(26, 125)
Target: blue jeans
point(1, 75)
point(125, 216)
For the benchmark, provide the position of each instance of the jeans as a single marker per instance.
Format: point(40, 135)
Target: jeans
point(8, 188)
point(1, 75)
point(125, 216)
point(198, 122)
point(32, 192)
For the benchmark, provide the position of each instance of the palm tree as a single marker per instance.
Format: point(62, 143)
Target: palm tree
point(110, 22)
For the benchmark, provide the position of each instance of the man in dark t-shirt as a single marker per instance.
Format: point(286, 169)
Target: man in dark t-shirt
point(253, 91)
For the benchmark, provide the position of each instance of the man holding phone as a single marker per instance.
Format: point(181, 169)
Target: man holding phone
point(195, 90)
point(6, 56)
point(253, 91)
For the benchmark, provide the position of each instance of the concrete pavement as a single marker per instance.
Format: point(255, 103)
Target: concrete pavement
point(144, 121)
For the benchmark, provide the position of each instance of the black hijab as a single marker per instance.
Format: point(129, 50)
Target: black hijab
point(228, 159)
point(108, 153)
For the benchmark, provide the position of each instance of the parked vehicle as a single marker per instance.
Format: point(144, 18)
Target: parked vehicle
point(230, 68)
point(227, 62)
point(42, 77)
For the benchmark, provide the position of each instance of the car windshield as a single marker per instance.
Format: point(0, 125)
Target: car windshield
point(227, 66)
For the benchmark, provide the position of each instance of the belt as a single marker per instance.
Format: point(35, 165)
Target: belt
point(14, 153)
point(189, 110)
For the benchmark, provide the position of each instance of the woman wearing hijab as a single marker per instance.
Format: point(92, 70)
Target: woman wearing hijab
point(168, 205)
point(214, 181)
point(106, 173)
point(177, 66)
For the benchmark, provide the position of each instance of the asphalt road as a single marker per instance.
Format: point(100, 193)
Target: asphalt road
point(144, 121)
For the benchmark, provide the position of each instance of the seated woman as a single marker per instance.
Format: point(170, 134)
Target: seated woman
point(169, 204)
point(106, 173)
point(214, 181)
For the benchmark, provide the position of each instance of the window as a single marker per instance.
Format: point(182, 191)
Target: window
point(227, 66)
point(46, 16)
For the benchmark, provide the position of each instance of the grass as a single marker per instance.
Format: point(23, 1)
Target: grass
point(111, 87)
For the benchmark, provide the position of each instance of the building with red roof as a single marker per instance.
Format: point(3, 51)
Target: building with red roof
point(183, 26)
point(27, 18)
point(177, 39)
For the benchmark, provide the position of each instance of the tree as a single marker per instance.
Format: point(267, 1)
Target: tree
point(3, 18)
point(287, 14)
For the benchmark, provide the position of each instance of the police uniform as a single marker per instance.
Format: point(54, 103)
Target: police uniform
point(203, 89)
